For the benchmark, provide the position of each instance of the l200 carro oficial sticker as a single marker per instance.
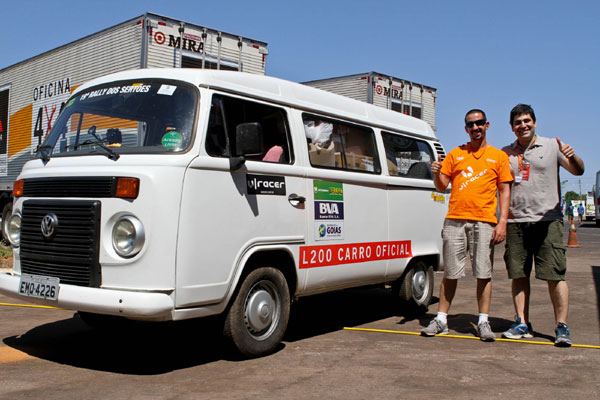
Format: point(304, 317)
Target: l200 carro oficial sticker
point(337, 254)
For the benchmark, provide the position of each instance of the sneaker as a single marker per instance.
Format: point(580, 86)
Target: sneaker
point(436, 327)
point(518, 330)
point(562, 336)
point(484, 331)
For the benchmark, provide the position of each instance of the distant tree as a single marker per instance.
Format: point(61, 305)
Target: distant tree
point(571, 195)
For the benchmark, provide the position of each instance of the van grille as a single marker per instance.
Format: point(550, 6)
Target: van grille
point(70, 187)
point(71, 254)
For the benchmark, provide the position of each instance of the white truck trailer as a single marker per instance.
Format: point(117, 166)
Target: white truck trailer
point(34, 91)
point(410, 98)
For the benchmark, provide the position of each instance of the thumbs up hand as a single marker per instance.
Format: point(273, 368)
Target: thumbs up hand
point(566, 149)
point(436, 166)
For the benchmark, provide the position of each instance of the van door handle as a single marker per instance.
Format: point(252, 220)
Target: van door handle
point(296, 199)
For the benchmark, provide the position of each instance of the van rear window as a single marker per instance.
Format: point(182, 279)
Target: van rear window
point(340, 145)
point(407, 157)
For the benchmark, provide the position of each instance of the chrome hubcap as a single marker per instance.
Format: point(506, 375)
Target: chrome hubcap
point(419, 284)
point(261, 313)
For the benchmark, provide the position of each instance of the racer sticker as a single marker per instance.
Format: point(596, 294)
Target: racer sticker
point(339, 254)
point(265, 184)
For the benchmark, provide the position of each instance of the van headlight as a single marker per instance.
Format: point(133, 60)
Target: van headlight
point(13, 229)
point(128, 236)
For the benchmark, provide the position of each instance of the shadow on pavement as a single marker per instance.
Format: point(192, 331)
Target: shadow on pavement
point(137, 348)
point(466, 324)
point(144, 348)
point(324, 313)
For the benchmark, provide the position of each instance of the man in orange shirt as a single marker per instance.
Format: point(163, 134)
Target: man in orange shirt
point(477, 171)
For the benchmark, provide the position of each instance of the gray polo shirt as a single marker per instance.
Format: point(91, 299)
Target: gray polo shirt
point(538, 198)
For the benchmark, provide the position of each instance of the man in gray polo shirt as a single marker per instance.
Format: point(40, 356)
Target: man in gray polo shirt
point(535, 228)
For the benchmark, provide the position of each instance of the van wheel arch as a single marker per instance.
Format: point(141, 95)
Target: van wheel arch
point(268, 278)
point(257, 318)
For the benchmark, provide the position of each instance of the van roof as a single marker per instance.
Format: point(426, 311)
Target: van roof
point(282, 92)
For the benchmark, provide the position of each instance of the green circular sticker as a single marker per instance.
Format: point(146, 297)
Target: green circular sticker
point(172, 140)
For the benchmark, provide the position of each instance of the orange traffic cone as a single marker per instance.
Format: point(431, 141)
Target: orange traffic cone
point(572, 236)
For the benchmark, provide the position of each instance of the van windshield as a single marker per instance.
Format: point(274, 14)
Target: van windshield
point(141, 116)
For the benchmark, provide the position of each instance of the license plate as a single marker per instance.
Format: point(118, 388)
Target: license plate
point(42, 287)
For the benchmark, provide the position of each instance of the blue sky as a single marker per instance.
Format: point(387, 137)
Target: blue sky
point(478, 54)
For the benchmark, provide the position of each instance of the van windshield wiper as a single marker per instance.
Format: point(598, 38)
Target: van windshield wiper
point(113, 155)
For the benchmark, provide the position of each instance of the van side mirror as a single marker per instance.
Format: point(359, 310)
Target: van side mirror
point(248, 139)
point(248, 142)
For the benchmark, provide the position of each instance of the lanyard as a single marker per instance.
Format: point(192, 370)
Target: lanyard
point(521, 157)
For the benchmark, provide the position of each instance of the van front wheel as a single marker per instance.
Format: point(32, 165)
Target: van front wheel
point(416, 289)
point(258, 317)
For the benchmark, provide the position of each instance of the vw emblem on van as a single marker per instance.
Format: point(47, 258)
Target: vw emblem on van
point(49, 225)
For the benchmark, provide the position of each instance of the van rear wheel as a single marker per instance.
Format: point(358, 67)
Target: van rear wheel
point(259, 314)
point(416, 289)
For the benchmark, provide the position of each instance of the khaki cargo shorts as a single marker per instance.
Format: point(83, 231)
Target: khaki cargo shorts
point(462, 237)
point(536, 242)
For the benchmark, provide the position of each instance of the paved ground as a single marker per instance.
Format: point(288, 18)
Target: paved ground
point(52, 354)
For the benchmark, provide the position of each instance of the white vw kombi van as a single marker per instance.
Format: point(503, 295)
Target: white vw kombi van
point(167, 194)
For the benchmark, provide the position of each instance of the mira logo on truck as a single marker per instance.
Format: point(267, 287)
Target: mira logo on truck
point(190, 42)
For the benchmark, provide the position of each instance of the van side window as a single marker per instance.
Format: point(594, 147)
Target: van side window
point(336, 144)
point(407, 157)
point(227, 113)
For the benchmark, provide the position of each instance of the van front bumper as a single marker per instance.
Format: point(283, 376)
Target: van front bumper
point(150, 306)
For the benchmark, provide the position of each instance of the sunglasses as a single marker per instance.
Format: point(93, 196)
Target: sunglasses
point(479, 122)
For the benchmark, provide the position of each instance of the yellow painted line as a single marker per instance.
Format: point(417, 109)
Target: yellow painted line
point(8, 354)
point(585, 346)
point(30, 306)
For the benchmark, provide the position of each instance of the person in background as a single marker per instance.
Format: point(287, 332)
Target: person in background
point(535, 225)
point(580, 212)
point(477, 172)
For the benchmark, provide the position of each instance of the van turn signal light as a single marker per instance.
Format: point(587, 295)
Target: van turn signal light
point(127, 188)
point(18, 188)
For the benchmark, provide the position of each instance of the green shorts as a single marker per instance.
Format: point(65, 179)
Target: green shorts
point(539, 242)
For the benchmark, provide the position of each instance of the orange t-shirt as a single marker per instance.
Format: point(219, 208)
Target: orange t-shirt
point(475, 177)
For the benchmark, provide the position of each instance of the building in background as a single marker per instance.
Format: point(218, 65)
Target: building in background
point(33, 92)
point(386, 91)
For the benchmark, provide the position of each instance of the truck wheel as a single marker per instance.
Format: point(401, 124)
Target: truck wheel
point(6, 214)
point(259, 315)
point(416, 289)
